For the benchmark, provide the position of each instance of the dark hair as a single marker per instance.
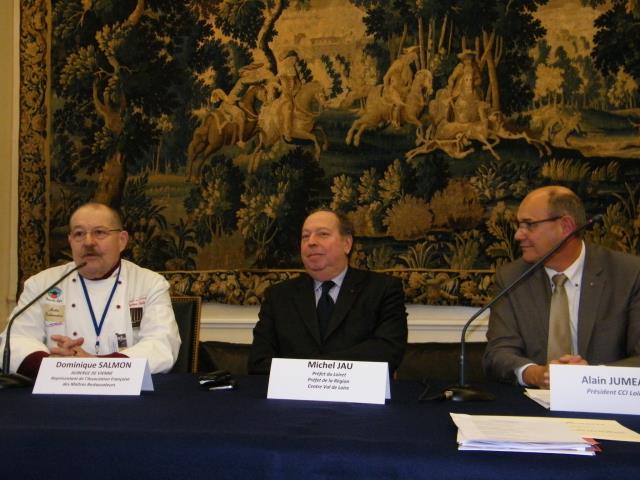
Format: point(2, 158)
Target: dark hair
point(117, 216)
point(565, 202)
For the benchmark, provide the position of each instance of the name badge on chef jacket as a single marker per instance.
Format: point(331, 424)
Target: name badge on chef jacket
point(121, 341)
point(54, 315)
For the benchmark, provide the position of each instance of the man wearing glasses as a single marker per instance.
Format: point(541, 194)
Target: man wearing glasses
point(583, 307)
point(108, 308)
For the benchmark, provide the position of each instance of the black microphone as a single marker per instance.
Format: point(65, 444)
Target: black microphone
point(13, 380)
point(462, 392)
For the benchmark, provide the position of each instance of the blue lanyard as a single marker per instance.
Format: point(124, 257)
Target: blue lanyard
point(98, 326)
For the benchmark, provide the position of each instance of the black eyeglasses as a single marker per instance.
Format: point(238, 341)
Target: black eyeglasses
point(528, 225)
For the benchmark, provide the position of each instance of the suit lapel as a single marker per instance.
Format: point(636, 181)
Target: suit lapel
point(305, 301)
point(591, 288)
point(351, 286)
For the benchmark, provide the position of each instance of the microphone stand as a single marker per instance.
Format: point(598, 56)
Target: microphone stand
point(16, 380)
point(462, 392)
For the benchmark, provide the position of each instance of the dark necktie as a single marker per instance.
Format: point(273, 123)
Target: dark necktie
point(559, 322)
point(325, 307)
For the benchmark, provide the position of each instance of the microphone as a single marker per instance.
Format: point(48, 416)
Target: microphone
point(462, 392)
point(13, 380)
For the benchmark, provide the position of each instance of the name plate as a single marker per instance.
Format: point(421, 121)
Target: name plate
point(93, 376)
point(329, 380)
point(597, 389)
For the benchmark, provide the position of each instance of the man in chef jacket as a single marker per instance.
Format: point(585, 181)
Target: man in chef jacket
point(108, 308)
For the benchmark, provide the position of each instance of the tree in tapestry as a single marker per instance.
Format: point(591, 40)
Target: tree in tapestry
point(216, 126)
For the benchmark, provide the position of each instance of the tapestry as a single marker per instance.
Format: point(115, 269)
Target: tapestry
point(216, 126)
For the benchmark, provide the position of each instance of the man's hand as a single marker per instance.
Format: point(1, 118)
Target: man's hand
point(570, 360)
point(536, 376)
point(68, 347)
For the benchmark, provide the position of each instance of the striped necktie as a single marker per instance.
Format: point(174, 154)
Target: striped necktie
point(559, 321)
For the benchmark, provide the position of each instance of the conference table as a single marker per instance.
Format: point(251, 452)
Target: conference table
point(180, 431)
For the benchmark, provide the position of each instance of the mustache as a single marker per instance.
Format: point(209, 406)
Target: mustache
point(89, 251)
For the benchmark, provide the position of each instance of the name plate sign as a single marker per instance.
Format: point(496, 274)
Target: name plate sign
point(597, 389)
point(93, 376)
point(329, 380)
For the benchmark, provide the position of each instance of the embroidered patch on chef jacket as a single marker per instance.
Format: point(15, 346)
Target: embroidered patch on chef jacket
point(54, 315)
point(136, 307)
point(55, 295)
point(136, 316)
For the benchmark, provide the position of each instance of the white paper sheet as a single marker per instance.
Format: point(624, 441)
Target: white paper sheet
point(537, 434)
point(540, 396)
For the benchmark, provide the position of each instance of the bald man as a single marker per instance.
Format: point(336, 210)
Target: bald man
point(602, 291)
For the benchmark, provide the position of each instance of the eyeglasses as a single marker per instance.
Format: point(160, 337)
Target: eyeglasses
point(529, 225)
point(96, 233)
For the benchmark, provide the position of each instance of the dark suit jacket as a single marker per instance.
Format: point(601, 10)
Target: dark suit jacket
point(608, 315)
point(369, 322)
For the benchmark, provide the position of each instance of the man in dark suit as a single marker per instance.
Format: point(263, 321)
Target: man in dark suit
point(602, 290)
point(333, 311)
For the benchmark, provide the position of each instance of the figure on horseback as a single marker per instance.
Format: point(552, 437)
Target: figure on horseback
point(272, 128)
point(400, 107)
point(233, 122)
point(232, 115)
point(396, 82)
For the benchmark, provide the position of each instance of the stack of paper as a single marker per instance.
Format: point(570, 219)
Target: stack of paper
point(519, 434)
point(541, 397)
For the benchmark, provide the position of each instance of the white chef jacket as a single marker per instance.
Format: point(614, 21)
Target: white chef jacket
point(139, 322)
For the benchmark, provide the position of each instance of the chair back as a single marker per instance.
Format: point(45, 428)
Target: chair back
point(441, 361)
point(215, 355)
point(187, 312)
